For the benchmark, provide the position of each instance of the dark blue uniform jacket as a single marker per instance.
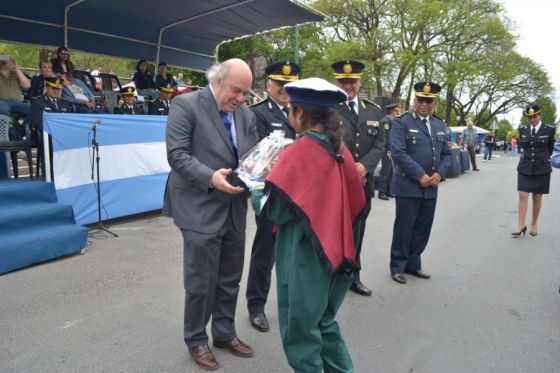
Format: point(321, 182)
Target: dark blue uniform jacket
point(416, 153)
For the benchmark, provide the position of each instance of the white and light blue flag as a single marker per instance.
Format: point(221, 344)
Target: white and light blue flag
point(133, 166)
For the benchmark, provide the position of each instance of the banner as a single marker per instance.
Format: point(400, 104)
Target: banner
point(133, 166)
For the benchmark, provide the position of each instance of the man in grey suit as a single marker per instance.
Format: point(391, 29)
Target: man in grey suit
point(207, 132)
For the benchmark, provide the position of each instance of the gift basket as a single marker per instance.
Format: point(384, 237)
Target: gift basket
point(256, 164)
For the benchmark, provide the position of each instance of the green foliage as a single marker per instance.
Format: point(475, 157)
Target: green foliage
point(25, 56)
point(548, 114)
point(504, 128)
point(28, 58)
point(511, 133)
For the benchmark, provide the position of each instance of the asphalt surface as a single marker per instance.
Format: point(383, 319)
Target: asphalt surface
point(492, 304)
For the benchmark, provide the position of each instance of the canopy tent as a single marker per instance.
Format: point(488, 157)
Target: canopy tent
point(183, 33)
point(460, 129)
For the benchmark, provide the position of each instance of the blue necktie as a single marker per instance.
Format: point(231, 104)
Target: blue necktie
point(227, 124)
point(533, 132)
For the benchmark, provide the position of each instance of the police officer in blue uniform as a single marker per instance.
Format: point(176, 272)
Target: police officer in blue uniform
point(161, 105)
point(421, 159)
point(386, 173)
point(534, 168)
point(50, 102)
point(271, 115)
point(129, 106)
point(364, 138)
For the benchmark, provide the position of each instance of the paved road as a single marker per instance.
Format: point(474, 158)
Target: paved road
point(492, 304)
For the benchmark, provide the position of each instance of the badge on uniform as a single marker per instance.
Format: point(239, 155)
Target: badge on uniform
point(411, 130)
point(386, 126)
point(373, 123)
point(276, 125)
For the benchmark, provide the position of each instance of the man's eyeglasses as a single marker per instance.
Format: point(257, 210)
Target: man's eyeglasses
point(425, 100)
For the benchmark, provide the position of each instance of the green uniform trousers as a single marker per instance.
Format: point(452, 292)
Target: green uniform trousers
point(308, 300)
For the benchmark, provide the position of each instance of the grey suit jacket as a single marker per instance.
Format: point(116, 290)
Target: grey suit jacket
point(197, 146)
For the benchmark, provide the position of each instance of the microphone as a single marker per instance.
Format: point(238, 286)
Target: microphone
point(95, 124)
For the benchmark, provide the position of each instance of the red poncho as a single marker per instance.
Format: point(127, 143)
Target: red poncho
point(327, 195)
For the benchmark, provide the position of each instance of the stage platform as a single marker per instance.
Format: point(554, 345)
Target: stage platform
point(34, 227)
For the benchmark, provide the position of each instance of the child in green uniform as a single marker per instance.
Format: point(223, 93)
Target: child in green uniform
point(314, 195)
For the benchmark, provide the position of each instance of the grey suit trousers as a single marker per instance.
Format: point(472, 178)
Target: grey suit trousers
point(212, 269)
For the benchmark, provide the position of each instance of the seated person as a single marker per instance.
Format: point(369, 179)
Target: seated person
point(78, 94)
point(143, 81)
point(179, 79)
point(163, 77)
point(50, 102)
point(12, 81)
point(38, 81)
point(62, 64)
point(129, 106)
point(161, 105)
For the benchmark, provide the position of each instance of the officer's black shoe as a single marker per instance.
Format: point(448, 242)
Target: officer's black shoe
point(259, 321)
point(383, 197)
point(476, 169)
point(419, 274)
point(399, 277)
point(359, 288)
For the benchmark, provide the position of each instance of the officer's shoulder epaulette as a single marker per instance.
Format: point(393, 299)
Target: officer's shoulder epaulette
point(403, 114)
point(523, 126)
point(257, 103)
point(435, 116)
point(371, 102)
point(550, 126)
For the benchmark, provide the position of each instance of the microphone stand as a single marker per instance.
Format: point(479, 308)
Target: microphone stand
point(95, 151)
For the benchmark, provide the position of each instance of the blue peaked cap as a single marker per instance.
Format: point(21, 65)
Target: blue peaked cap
point(315, 91)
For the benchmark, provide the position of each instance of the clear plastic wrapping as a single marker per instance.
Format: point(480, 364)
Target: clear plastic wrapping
point(256, 164)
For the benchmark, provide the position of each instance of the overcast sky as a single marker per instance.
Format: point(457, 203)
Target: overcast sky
point(537, 28)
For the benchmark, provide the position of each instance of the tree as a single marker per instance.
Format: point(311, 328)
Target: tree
point(506, 82)
point(504, 127)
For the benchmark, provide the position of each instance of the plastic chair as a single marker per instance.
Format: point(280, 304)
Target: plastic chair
point(13, 147)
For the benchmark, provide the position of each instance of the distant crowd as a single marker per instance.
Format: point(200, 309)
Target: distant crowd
point(73, 90)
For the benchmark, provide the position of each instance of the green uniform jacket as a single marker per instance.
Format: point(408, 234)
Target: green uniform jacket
point(308, 295)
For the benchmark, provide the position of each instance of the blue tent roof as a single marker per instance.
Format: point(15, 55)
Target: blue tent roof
point(185, 32)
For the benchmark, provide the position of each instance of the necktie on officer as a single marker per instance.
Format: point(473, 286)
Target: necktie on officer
point(425, 121)
point(286, 111)
point(533, 132)
point(228, 124)
point(352, 106)
point(53, 100)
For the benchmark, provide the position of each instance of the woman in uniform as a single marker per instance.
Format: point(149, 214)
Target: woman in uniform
point(314, 194)
point(533, 171)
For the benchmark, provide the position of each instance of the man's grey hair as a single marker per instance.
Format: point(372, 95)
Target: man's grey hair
point(218, 71)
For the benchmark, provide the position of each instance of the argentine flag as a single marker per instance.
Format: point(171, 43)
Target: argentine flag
point(133, 166)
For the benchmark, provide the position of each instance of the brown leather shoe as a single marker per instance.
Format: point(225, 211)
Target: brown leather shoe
point(236, 347)
point(203, 357)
